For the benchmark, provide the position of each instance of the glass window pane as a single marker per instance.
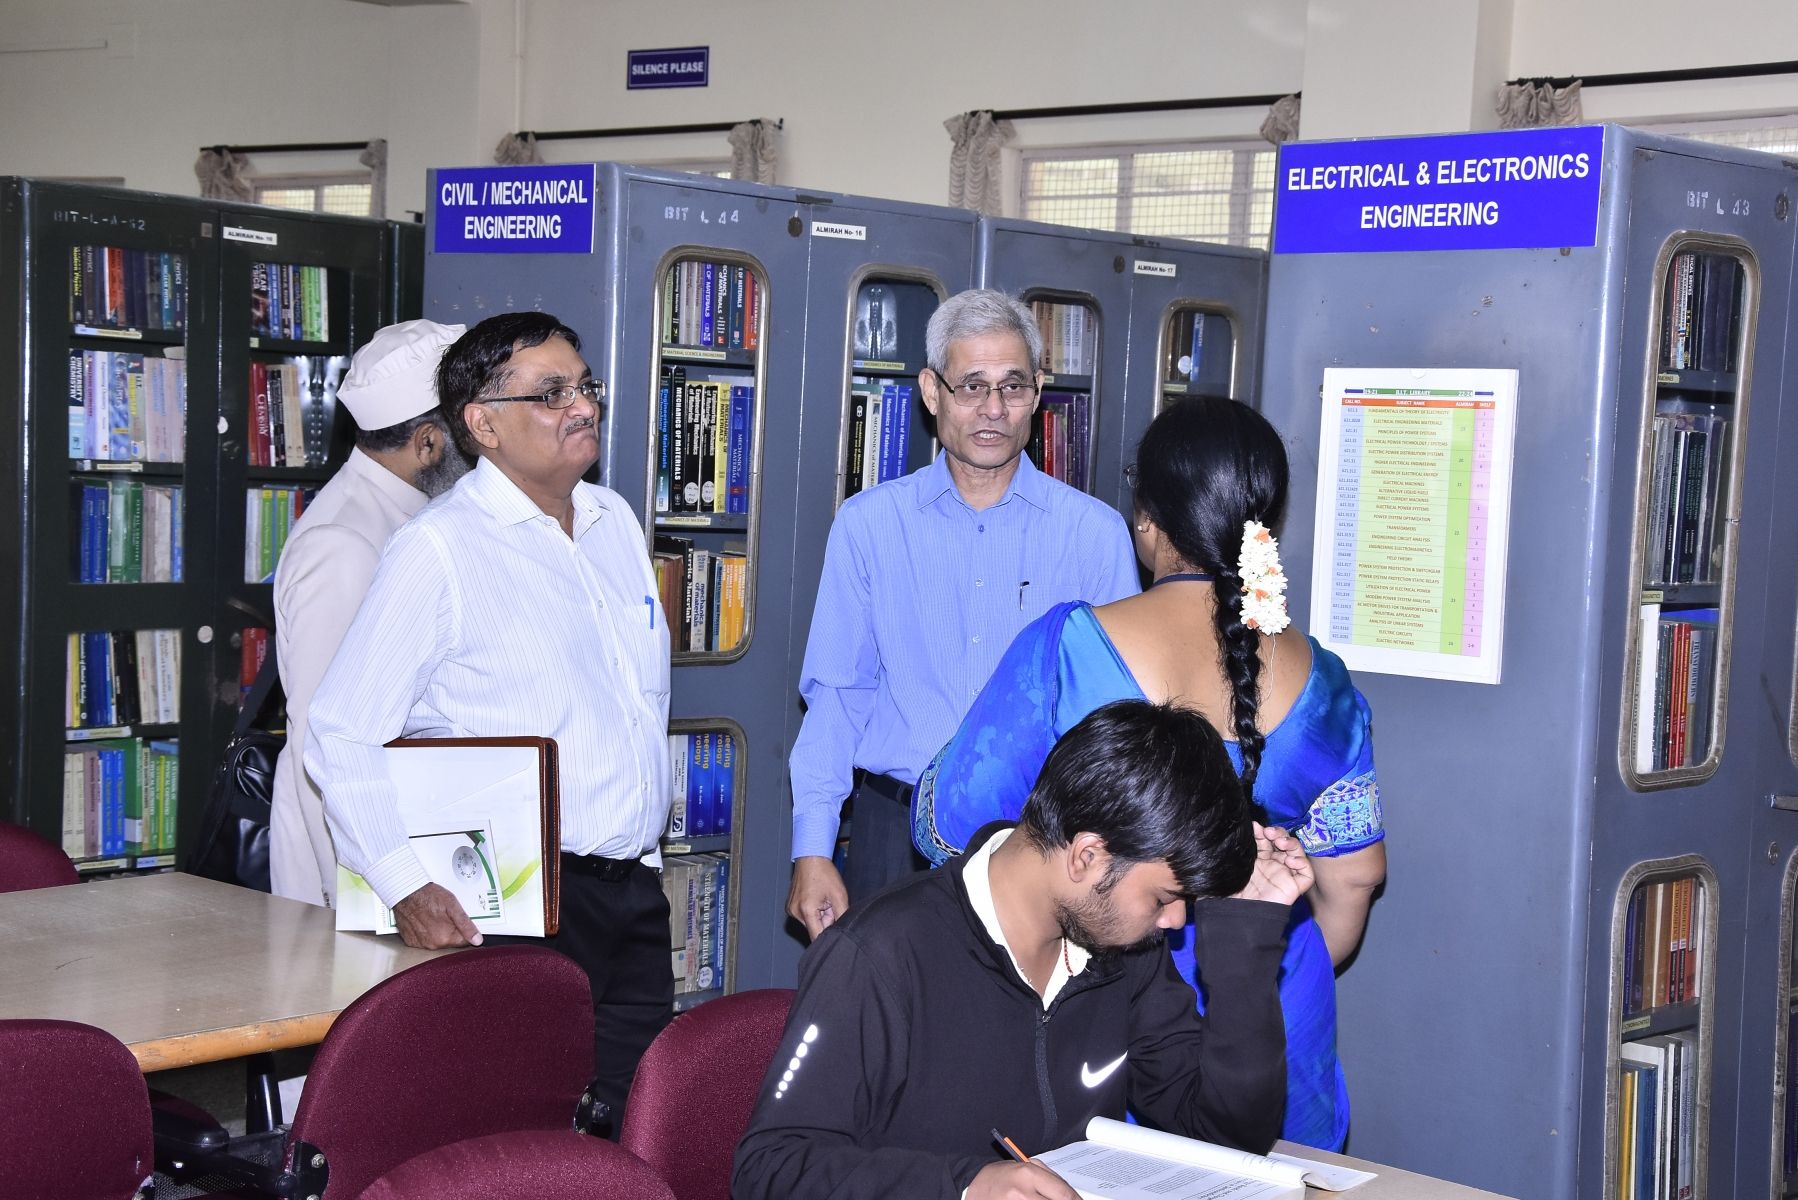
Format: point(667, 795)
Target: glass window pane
point(347, 199)
point(304, 199)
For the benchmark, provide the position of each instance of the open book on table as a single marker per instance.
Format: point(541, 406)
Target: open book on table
point(1128, 1162)
point(484, 816)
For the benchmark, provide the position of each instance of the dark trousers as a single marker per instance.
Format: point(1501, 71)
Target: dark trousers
point(880, 848)
point(616, 930)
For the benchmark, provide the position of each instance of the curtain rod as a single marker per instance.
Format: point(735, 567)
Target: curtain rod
point(563, 135)
point(1140, 106)
point(1686, 75)
point(289, 147)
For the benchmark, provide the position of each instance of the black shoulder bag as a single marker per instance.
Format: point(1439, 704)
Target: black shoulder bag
point(233, 844)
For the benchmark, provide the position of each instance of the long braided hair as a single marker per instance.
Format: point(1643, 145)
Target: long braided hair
point(1204, 467)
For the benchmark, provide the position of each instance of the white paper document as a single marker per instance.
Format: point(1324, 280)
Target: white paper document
point(1119, 1161)
point(475, 816)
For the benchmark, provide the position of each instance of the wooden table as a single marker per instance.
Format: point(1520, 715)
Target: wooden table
point(184, 970)
point(1391, 1184)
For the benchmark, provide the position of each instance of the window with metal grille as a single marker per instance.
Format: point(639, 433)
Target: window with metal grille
point(1219, 192)
point(1771, 135)
point(344, 195)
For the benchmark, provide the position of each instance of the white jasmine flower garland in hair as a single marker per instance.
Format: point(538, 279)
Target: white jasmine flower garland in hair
point(1263, 582)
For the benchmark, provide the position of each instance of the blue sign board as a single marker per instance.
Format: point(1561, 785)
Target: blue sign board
point(1470, 191)
point(687, 66)
point(543, 209)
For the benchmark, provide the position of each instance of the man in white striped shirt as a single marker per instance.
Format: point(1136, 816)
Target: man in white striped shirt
point(520, 602)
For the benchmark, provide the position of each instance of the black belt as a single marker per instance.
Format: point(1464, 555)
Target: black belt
point(610, 870)
point(884, 785)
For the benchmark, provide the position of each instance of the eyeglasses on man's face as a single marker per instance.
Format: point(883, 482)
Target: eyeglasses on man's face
point(562, 397)
point(1014, 393)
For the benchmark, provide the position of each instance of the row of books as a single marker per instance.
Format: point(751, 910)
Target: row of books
point(130, 532)
point(711, 305)
point(1703, 313)
point(704, 593)
point(1061, 438)
point(124, 677)
point(119, 797)
point(1662, 944)
point(1070, 337)
point(703, 429)
point(115, 288)
point(1677, 664)
point(1199, 351)
point(698, 891)
point(705, 781)
point(1657, 1094)
point(1685, 496)
point(290, 407)
point(289, 301)
point(880, 419)
point(127, 407)
point(268, 517)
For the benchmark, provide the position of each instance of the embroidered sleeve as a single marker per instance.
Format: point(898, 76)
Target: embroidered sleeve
point(1345, 817)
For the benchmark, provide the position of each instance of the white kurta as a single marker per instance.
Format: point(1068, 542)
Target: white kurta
point(324, 572)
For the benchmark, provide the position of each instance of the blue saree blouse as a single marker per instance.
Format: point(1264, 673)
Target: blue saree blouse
point(1316, 779)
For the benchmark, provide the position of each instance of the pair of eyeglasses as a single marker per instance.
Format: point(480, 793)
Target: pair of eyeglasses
point(562, 397)
point(1012, 393)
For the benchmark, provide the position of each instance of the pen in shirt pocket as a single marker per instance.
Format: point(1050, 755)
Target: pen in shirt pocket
point(1021, 588)
point(649, 602)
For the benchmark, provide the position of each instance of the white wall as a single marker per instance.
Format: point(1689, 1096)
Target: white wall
point(864, 86)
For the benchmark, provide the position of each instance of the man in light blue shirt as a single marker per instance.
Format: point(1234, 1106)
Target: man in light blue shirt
point(926, 580)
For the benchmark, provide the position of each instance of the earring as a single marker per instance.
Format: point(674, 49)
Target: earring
point(1142, 528)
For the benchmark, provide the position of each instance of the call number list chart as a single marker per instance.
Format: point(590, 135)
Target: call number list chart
point(1412, 505)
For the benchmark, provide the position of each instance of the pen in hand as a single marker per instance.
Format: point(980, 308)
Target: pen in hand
point(1011, 1147)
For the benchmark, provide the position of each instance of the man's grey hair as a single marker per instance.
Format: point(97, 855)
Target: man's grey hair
point(974, 312)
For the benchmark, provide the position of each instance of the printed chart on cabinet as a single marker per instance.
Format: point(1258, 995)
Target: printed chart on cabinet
point(1413, 513)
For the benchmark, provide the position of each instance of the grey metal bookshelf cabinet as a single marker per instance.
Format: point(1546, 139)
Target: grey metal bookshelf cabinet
point(1140, 295)
point(178, 299)
point(1487, 1025)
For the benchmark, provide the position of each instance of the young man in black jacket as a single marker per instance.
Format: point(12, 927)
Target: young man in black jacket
point(1027, 987)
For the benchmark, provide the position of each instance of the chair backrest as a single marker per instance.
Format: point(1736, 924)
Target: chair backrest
point(28, 861)
point(74, 1114)
point(696, 1089)
point(544, 1166)
point(482, 1041)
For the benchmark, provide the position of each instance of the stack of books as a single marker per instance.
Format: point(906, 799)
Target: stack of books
point(289, 302)
point(711, 306)
point(125, 677)
point(119, 797)
point(269, 516)
point(130, 532)
point(126, 407)
point(880, 420)
point(114, 288)
point(704, 593)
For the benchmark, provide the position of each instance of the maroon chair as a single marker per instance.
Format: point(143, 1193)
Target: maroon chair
point(544, 1166)
point(473, 1043)
point(74, 1114)
point(685, 1120)
point(27, 861)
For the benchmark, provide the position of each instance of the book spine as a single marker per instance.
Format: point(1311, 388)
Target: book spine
point(738, 286)
point(721, 306)
point(664, 450)
point(720, 473)
point(741, 415)
point(707, 287)
point(677, 809)
point(725, 760)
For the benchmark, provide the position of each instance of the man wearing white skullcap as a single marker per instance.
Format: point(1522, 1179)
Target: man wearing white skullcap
point(403, 456)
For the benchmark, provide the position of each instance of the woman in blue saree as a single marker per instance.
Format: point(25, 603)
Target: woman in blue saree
point(1209, 481)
